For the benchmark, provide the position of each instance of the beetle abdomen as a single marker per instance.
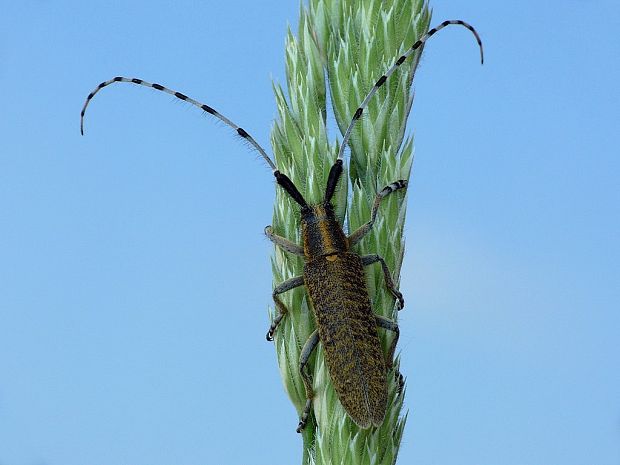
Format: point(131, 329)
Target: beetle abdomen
point(348, 331)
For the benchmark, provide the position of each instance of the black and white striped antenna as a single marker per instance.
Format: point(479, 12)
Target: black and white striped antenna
point(185, 98)
point(358, 113)
point(241, 132)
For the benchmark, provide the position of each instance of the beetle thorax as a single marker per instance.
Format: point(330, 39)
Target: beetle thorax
point(321, 233)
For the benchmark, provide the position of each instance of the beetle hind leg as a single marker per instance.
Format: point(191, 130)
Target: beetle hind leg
point(306, 351)
point(390, 325)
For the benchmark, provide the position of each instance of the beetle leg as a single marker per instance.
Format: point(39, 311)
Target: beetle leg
point(283, 243)
point(358, 234)
point(282, 310)
point(306, 351)
point(373, 258)
point(390, 325)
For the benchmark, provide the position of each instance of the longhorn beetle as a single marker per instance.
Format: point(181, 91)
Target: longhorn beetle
point(333, 274)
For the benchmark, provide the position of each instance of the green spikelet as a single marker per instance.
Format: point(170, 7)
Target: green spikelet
point(342, 47)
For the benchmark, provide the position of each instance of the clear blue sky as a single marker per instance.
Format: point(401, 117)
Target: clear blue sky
point(134, 295)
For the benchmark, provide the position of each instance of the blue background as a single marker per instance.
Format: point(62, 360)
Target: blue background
point(135, 279)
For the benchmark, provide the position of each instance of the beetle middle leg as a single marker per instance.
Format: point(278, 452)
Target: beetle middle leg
point(287, 285)
point(389, 283)
point(306, 351)
point(282, 310)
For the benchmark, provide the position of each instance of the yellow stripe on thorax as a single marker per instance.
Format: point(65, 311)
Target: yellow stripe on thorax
point(324, 229)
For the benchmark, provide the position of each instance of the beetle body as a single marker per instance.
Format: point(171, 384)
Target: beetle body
point(336, 285)
point(333, 274)
point(346, 325)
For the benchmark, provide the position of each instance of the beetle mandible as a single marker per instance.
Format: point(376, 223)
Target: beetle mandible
point(333, 275)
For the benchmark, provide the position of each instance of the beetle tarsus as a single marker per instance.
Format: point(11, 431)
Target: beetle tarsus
point(400, 300)
point(304, 416)
point(400, 379)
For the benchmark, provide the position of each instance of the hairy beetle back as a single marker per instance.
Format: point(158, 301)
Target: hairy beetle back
point(348, 331)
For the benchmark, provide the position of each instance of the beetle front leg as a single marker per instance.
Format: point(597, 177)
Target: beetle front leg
point(306, 351)
point(358, 234)
point(283, 242)
point(282, 310)
point(373, 258)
